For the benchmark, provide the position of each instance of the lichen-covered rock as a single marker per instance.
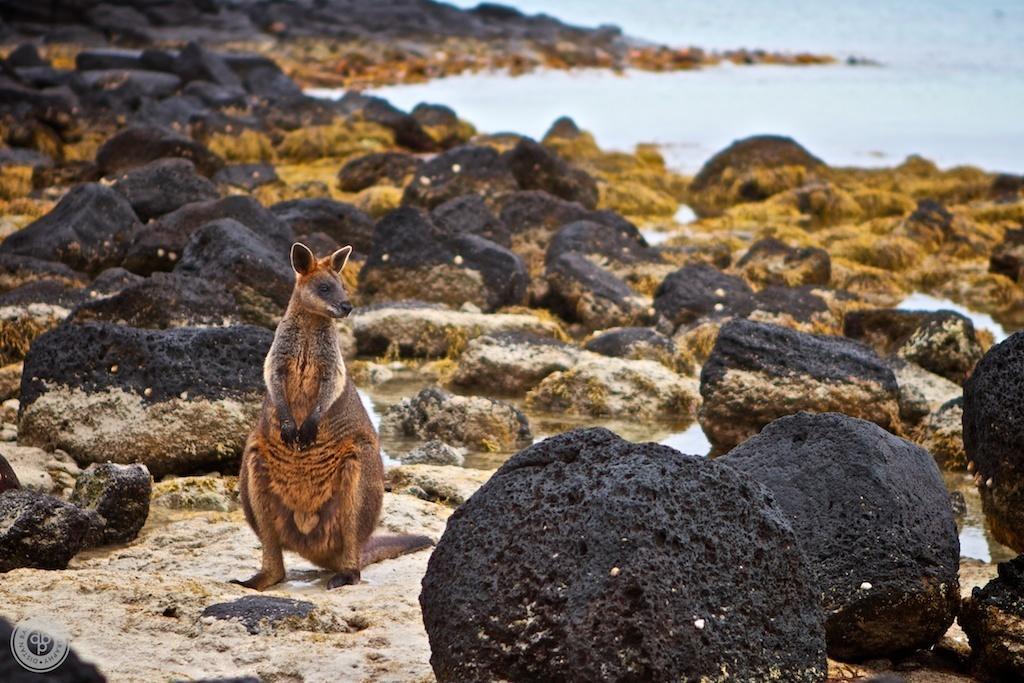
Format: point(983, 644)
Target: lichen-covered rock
point(511, 363)
point(209, 492)
point(758, 372)
point(448, 485)
point(162, 186)
point(598, 386)
point(699, 290)
point(174, 400)
point(994, 438)
point(342, 222)
point(39, 530)
point(750, 170)
point(476, 422)
point(119, 494)
point(942, 435)
point(1008, 257)
point(583, 292)
point(873, 515)
point(921, 392)
point(993, 619)
point(569, 564)
point(434, 452)
point(637, 343)
point(467, 169)
point(943, 342)
point(772, 262)
point(53, 473)
point(410, 259)
point(88, 230)
point(380, 168)
point(416, 329)
point(139, 145)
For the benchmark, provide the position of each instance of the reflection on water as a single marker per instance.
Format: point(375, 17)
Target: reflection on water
point(924, 302)
point(975, 539)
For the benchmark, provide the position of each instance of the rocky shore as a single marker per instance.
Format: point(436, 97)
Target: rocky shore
point(507, 289)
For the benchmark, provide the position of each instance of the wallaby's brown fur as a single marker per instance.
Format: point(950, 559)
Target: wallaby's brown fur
point(312, 480)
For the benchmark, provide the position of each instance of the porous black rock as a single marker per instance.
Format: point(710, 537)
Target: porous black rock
point(39, 530)
point(163, 186)
point(873, 515)
point(537, 168)
point(469, 214)
point(615, 243)
point(119, 494)
point(994, 437)
point(581, 291)
point(466, 169)
point(993, 619)
point(259, 613)
point(700, 290)
point(586, 557)
point(342, 222)
point(139, 145)
point(246, 176)
point(378, 168)
point(88, 230)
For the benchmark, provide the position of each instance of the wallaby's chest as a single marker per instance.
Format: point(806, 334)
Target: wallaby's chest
point(314, 367)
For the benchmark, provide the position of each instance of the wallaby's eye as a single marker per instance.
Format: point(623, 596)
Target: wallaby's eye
point(324, 288)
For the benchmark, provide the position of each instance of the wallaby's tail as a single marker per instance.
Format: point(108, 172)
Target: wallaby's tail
point(388, 546)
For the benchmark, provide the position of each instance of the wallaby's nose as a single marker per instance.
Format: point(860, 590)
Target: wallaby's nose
point(345, 308)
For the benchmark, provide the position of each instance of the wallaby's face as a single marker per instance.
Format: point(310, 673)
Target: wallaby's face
point(318, 286)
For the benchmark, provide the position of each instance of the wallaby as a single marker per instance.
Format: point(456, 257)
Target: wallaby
point(312, 480)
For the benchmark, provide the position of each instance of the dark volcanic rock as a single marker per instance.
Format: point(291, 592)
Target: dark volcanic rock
point(160, 244)
point(88, 230)
point(943, 342)
point(994, 437)
point(174, 400)
point(96, 59)
point(699, 290)
point(758, 372)
point(463, 170)
point(570, 563)
point(123, 90)
point(119, 494)
point(469, 214)
point(17, 270)
point(802, 304)
point(772, 262)
point(228, 252)
point(246, 176)
point(993, 619)
point(379, 168)
point(165, 300)
point(139, 145)
point(582, 292)
point(533, 215)
point(73, 670)
point(619, 244)
point(260, 613)
point(163, 186)
point(195, 63)
point(873, 515)
point(536, 168)
point(479, 423)
point(39, 531)
point(8, 479)
point(412, 259)
point(342, 222)
point(636, 343)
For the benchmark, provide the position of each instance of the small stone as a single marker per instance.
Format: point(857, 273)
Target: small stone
point(865, 586)
point(458, 260)
point(698, 623)
point(614, 571)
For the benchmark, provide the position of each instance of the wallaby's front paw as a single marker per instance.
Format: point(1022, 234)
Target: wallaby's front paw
point(307, 432)
point(289, 435)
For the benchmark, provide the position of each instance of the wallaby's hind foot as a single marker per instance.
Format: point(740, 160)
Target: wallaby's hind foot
point(347, 577)
point(260, 581)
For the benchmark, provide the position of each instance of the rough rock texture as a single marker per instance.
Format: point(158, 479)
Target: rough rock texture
point(994, 438)
point(467, 169)
point(159, 245)
point(568, 563)
point(698, 290)
point(943, 342)
point(139, 145)
point(163, 186)
point(205, 492)
point(8, 477)
point(445, 484)
point(174, 400)
point(342, 222)
point(993, 619)
point(73, 670)
point(921, 392)
point(536, 168)
point(600, 386)
point(585, 293)
point(873, 515)
point(482, 424)
point(260, 612)
point(434, 452)
point(635, 343)
point(417, 329)
point(942, 435)
point(53, 473)
point(119, 494)
point(469, 214)
point(88, 230)
point(758, 372)
point(411, 259)
point(511, 363)
point(39, 530)
point(380, 168)
point(772, 262)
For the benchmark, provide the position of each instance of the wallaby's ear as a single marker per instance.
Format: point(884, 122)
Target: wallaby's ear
point(340, 258)
point(302, 258)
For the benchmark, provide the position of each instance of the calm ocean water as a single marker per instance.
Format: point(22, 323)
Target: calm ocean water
point(950, 85)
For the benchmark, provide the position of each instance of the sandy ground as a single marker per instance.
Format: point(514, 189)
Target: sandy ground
point(135, 610)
